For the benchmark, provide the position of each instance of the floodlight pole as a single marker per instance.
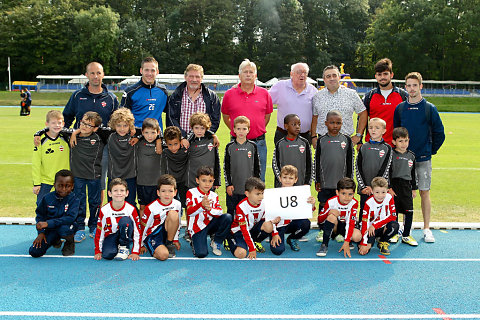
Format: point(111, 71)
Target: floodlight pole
point(9, 76)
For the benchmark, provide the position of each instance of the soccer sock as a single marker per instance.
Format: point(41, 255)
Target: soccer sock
point(327, 231)
point(391, 229)
point(408, 224)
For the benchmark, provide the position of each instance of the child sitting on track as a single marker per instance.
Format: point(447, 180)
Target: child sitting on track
point(56, 216)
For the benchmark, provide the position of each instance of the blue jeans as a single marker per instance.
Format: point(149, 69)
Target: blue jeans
point(123, 237)
point(94, 202)
point(220, 226)
point(262, 154)
point(51, 237)
point(44, 190)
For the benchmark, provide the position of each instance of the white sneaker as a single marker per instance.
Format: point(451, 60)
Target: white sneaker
point(216, 248)
point(303, 239)
point(122, 253)
point(428, 236)
point(339, 238)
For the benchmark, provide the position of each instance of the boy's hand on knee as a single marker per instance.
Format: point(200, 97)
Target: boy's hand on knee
point(42, 225)
point(134, 257)
point(275, 241)
point(97, 256)
point(37, 243)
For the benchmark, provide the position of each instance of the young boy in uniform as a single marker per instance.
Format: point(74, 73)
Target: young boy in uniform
point(293, 150)
point(118, 226)
point(161, 220)
point(240, 163)
point(204, 215)
point(50, 156)
point(296, 228)
point(174, 160)
point(373, 160)
point(202, 151)
point(148, 163)
point(379, 218)
point(340, 216)
point(249, 226)
point(403, 181)
point(56, 216)
point(333, 161)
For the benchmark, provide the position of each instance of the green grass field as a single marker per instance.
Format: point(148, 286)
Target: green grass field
point(456, 169)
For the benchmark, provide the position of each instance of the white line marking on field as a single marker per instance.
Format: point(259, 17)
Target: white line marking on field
point(264, 259)
point(238, 316)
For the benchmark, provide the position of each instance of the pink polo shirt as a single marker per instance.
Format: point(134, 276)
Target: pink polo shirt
point(255, 106)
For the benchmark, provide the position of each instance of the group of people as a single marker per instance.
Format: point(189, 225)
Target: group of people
point(178, 168)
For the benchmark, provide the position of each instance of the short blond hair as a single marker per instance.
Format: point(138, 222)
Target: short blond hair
point(54, 114)
point(247, 63)
point(122, 115)
point(379, 182)
point(289, 170)
point(414, 75)
point(379, 120)
point(193, 67)
point(241, 119)
point(200, 118)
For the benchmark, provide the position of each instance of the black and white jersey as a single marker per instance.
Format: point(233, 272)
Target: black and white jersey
point(241, 162)
point(373, 160)
point(297, 153)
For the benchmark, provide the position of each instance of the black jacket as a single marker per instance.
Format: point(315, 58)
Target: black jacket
point(174, 107)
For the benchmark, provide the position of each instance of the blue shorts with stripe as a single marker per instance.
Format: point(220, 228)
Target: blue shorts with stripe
point(155, 239)
point(236, 240)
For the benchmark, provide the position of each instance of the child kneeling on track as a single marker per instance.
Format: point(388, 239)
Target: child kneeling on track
point(379, 218)
point(205, 216)
point(56, 214)
point(249, 226)
point(340, 216)
point(161, 220)
point(118, 226)
point(296, 228)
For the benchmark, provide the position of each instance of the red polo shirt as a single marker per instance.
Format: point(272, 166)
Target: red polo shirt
point(255, 106)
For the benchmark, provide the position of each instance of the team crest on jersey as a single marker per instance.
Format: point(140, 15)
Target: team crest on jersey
point(66, 207)
point(210, 147)
point(302, 149)
point(104, 104)
point(124, 95)
point(60, 148)
point(410, 163)
point(343, 144)
point(249, 154)
point(93, 141)
point(381, 153)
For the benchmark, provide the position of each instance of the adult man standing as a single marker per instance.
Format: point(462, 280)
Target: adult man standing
point(192, 96)
point(382, 101)
point(93, 97)
point(246, 99)
point(146, 98)
point(294, 96)
point(426, 133)
point(337, 97)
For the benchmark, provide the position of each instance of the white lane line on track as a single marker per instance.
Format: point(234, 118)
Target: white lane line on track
point(266, 259)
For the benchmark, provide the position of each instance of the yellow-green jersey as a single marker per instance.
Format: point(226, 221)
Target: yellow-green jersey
point(48, 158)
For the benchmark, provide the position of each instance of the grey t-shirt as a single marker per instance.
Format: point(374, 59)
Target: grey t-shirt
point(175, 164)
point(333, 160)
point(373, 160)
point(121, 157)
point(240, 163)
point(202, 153)
point(403, 167)
point(148, 163)
point(296, 153)
point(86, 156)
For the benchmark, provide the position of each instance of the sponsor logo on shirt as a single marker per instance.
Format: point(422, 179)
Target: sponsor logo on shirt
point(152, 99)
point(381, 153)
point(83, 99)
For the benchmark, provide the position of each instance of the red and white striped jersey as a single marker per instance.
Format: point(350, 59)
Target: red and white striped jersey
point(246, 216)
point(197, 217)
point(377, 214)
point(348, 214)
point(155, 215)
point(108, 219)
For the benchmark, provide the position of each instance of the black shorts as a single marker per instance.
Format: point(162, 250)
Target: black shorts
point(341, 228)
point(403, 199)
point(146, 194)
point(324, 195)
point(155, 239)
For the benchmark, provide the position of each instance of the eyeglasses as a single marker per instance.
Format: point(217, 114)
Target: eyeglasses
point(88, 125)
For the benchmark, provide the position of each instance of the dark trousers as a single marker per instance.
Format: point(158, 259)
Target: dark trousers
point(297, 229)
point(233, 201)
point(132, 191)
point(391, 229)
point(220, 226)
point(52, 236)
point(94, 202)
point(237, 240)
point(363, 199)
point(123, 237)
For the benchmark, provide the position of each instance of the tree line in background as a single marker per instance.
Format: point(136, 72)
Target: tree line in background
point(439, 38)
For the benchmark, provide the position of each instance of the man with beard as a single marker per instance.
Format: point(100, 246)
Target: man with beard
point(381, 101)
point(192, 96)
